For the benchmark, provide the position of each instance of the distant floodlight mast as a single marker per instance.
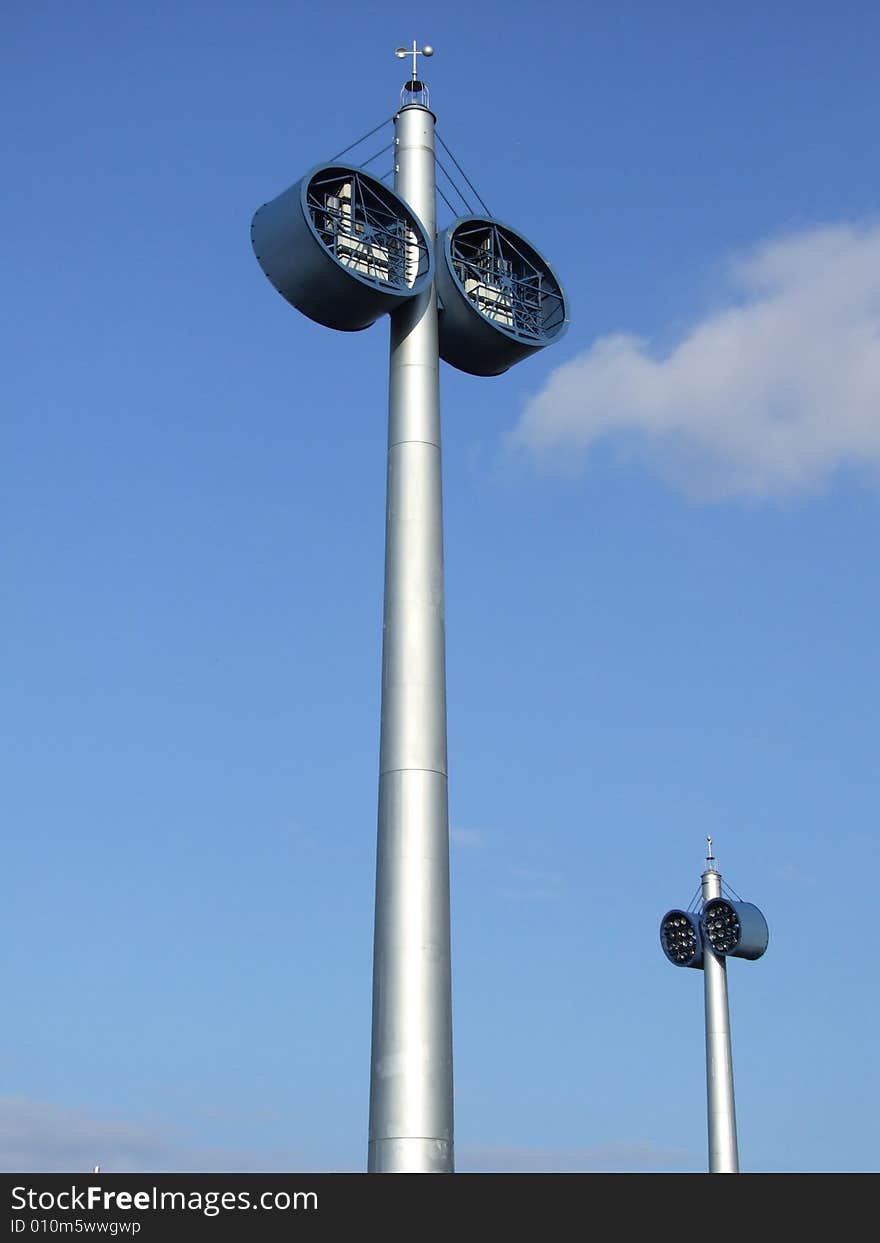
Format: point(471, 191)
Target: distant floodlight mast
point(723, 929)
point(344, 249)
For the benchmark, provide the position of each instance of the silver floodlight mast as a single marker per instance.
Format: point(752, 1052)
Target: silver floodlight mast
point(705, 939)
point(345, 249)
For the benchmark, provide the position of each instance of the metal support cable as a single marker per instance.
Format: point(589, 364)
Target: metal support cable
point(363, 138)
point(451, 181)
point(464, 174)
point(381, 151)
point(446, 201)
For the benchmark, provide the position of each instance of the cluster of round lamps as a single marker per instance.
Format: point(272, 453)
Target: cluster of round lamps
point(734, 929)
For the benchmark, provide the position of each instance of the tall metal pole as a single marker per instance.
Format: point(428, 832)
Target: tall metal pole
point(411, 1063)
point(723, 1153)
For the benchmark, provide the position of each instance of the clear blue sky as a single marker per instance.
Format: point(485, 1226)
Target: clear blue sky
point(662, 592)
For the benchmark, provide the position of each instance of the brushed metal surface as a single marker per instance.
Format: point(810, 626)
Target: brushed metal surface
point(411, 1105)
point(721, 1110)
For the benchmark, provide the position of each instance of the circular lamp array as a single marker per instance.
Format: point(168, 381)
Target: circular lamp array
point(342, 247)
point(681, 940)
point(737, 929)
point(500, 301)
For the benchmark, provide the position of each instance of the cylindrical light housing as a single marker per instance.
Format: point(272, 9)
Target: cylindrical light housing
point(500, 301)
point(342, 247)
point(681, 939)
point(737, 929)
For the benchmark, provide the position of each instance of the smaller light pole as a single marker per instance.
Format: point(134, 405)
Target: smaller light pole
point(689, 939)
point(721, 1110)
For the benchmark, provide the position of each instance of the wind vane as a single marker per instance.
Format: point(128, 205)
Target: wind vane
point(415, 51)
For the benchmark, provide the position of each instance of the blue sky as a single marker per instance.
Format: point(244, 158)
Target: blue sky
point(662, 598)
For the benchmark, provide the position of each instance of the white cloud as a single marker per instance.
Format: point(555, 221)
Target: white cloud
point(770, 394)
point(466, 837)
point(792, 874)
point(619, 1157)
point(43, 1137)
point(38, 1136)
point(531, 885)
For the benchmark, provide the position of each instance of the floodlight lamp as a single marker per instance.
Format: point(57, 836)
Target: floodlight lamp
point(500, 300)
point(680, 939)
point(342, 247)
point(735, 929)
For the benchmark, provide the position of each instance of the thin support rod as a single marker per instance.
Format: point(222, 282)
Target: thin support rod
point(723, 1151)
point(411, 1118)
point(363, 138)
point(464, 174)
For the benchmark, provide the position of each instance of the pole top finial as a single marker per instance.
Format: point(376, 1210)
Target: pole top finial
point(414, 91)
point(710, 858)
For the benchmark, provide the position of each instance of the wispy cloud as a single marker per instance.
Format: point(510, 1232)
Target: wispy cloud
point(614, 1157)
point(792, 874)
point(531, 885)
point(768, 395)
point(466, 837)
point(38, 1136)
point(549, 878)
point(43, 1137)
